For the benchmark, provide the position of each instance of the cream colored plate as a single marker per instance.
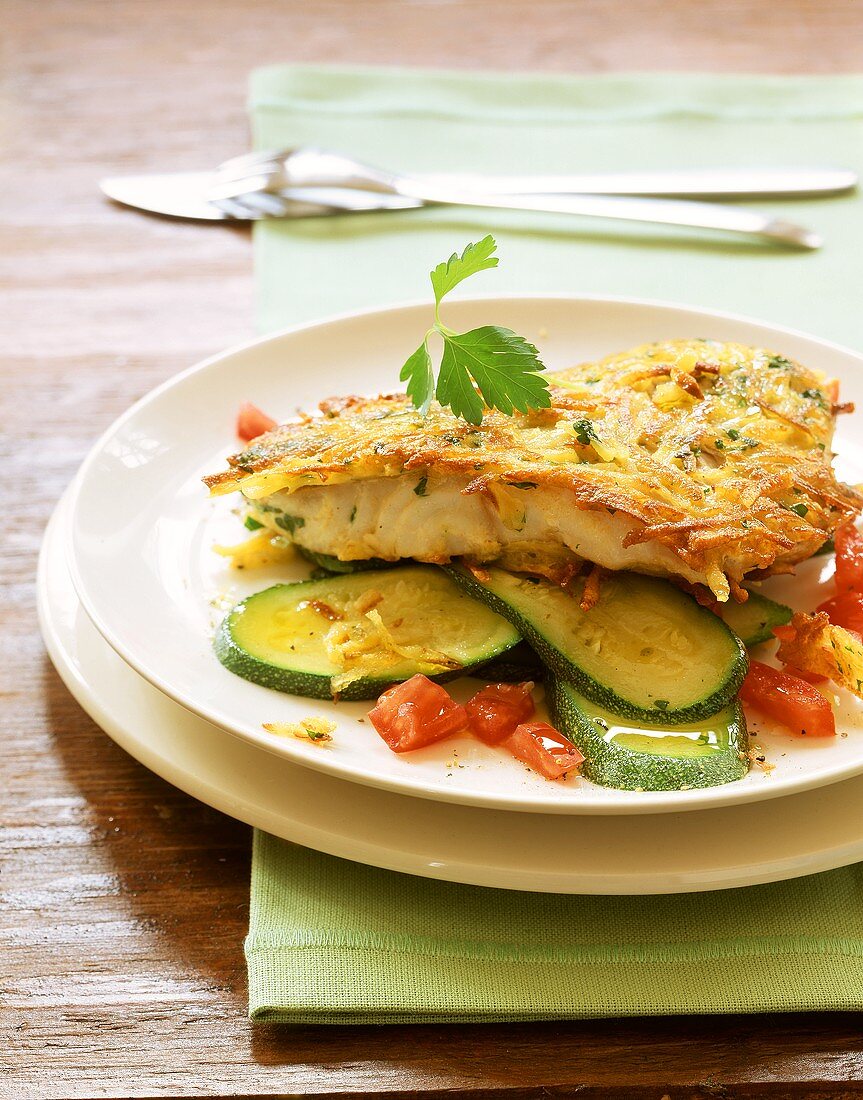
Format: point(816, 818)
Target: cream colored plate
point(143, 531)
point(661, 853)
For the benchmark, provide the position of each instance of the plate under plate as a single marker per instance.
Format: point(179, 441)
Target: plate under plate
point(661, 853)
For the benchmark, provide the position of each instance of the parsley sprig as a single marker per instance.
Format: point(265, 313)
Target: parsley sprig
point(500, 364)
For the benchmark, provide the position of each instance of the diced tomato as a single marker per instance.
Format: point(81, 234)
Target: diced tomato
point(849, 558)
point(802, 674)
point(544, 749)
point(845, 610)
point(416, 713)
point(496, 709)
point(789, 700)
point(251, 422)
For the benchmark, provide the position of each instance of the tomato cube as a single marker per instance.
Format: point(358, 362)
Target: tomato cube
point(544, 749)
point(251, 422)
point(792, 702)
point(496, 710)
point(415, 713)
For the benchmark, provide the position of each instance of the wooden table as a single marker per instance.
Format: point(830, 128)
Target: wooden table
point(124, 903)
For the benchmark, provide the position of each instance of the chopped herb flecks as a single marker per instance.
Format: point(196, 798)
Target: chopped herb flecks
point(290, 523)
point(584, 432)
point(817, 396)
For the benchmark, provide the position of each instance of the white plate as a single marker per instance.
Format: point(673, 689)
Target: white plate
point(143, 530)
point(663, 853)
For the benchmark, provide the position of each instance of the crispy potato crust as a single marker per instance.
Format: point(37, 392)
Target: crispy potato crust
point(719, 452)
point(813, 643)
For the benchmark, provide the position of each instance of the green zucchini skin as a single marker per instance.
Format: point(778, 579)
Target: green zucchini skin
point(726, 682)
point(753, 621)
point(255, 649)
point(290, 681)
point(514, 667)
point(332, 564)
point(611, 764)
point(294, 682)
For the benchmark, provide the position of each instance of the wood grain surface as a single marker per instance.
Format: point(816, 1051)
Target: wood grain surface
point(124, 902)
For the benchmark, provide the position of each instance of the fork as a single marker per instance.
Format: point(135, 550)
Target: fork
point(268, 184)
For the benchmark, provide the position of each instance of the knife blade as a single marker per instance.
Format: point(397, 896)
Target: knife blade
point(183, 195)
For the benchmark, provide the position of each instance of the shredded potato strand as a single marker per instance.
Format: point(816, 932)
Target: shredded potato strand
point(365, 645)
point(812, 643)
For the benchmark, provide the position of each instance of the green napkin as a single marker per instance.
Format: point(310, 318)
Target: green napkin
point(334, 942)
point(424, 121)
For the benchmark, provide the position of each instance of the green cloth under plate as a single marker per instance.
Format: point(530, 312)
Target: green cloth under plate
point(334, 942)
point(425, 121)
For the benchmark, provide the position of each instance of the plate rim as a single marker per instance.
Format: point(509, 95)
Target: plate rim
point(414, 303)
point(649, 802)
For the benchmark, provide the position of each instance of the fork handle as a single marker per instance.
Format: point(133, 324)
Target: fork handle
point(701, 215)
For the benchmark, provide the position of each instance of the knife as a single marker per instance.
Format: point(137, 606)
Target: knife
point(183, 195)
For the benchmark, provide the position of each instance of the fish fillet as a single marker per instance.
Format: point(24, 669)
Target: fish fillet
point(697, 459)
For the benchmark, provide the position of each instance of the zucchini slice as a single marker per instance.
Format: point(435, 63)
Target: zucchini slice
point(645, 649)
point(651, 756)
point(335, 565)
point(753, 621)
point(514, 667)
point(352, 636)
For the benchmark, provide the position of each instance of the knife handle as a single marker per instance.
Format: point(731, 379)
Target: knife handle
point(700, 183)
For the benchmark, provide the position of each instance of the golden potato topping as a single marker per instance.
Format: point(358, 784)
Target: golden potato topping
point(715, 453)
